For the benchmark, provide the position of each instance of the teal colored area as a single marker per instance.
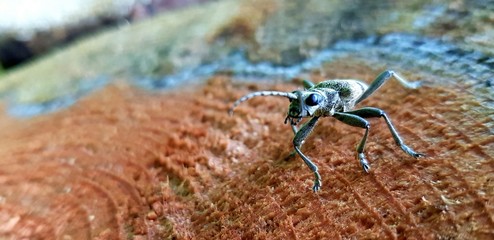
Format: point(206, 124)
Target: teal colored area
point(395, 50)
point(408, 52)
point(24, 110)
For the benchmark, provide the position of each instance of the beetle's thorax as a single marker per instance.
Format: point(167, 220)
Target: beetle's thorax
point(333, 103)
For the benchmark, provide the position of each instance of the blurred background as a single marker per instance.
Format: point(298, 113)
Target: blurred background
point(159, 44)
point(166, 43)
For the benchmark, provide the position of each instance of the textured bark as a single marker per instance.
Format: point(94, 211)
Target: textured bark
point(125, 163)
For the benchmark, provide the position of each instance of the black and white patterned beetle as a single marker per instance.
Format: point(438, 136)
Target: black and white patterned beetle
point(335, 98)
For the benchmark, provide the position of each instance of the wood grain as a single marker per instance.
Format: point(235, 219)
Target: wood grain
point(124, 163)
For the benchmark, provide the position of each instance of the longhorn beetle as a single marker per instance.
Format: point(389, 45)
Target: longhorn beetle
point(335, 98)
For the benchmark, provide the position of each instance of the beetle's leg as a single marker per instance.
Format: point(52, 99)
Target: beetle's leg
point(308, 84)
point(298, 140)
point(382, 78)
point(370, 112)
point(294, 128)
point(356, 121)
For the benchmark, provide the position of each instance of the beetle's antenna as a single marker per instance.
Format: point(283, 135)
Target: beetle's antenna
point(261, 93)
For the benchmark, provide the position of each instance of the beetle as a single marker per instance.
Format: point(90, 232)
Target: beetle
point(335, 98)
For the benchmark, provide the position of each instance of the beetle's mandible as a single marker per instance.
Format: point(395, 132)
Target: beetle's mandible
point(335, 98)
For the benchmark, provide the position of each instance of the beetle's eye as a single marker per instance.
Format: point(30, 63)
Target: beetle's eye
point(313, 99)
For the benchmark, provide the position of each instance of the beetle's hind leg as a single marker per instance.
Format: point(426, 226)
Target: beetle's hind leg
point(382, 78)
point(370, 112)
point(357, 121)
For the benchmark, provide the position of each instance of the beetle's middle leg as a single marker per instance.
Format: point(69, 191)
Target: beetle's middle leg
point(356, 121)
point(298, 140)
point(370, 112)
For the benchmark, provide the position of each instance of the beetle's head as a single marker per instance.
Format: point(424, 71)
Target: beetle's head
point(303, 103)
point(308, 103)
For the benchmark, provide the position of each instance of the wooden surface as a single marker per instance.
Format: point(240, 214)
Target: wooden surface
point(125, 163)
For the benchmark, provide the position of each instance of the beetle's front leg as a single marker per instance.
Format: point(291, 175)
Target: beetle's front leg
point(298, 140)
point(294, 129)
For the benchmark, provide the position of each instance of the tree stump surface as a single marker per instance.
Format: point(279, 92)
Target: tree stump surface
point(124, 162)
